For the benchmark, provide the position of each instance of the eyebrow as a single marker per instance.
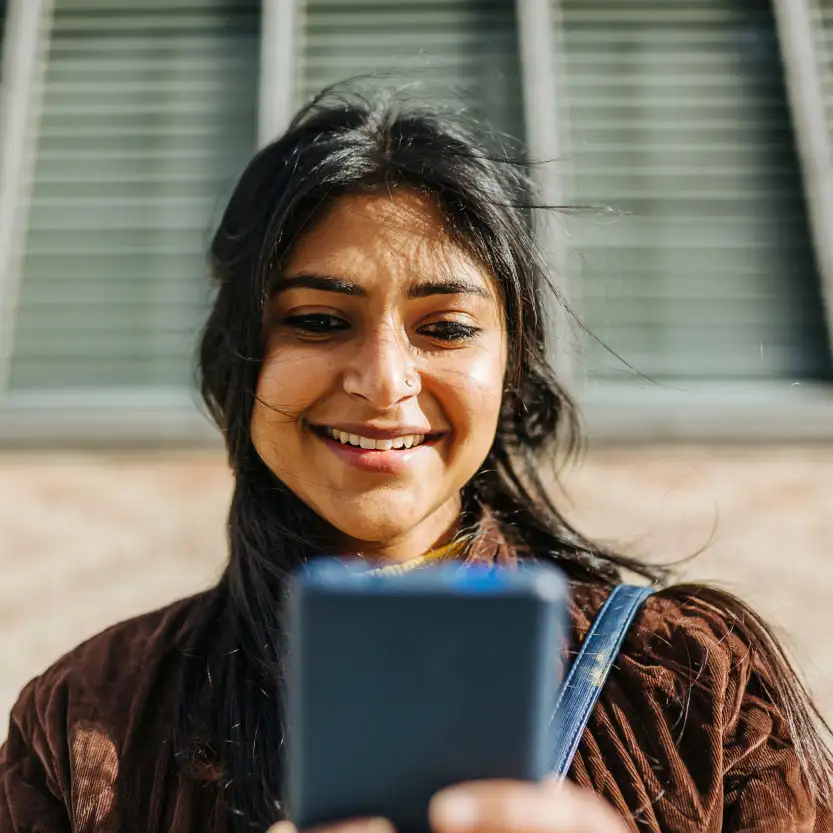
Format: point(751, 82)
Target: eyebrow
point(341, 286)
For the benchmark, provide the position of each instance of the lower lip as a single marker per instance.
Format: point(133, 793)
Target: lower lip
point(395, 461)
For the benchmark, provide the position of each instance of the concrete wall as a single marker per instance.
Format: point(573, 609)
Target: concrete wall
point(88, 540)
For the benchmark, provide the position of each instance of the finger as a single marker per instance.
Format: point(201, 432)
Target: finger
point(514, 807)
point(365, 825)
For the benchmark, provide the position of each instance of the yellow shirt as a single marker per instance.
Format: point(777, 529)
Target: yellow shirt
point(444, 553)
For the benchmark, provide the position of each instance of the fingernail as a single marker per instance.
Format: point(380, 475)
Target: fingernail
point(360, 825)
point(454, 809)
point(282, 827)
point(379, 826)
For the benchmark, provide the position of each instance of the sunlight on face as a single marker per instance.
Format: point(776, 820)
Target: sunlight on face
point(385, 354)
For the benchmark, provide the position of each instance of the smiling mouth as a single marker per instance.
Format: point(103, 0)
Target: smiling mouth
point(402, 443)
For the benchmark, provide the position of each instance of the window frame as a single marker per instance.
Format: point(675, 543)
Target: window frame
point(25, 41)
point(653, 412)
point(116, 418)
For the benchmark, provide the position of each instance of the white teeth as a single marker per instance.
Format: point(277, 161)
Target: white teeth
point(409, 441)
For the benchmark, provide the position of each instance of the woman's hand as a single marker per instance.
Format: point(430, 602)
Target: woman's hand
point(502, 807)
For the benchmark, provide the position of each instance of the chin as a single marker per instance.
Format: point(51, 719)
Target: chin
point(378, 520)
point(375, 529)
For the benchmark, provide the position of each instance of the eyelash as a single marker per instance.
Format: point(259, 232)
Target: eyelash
point(452, 332)
point(316, 324)
point(321, 324)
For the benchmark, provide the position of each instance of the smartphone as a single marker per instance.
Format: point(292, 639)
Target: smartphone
point(401, 685)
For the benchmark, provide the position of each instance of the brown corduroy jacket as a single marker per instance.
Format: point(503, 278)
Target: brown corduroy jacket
point(684, 738)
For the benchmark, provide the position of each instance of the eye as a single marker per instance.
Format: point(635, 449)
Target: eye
point(452, 332)
point(315, 324)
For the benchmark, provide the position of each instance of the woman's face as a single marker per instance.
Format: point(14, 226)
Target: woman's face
point(385, 353)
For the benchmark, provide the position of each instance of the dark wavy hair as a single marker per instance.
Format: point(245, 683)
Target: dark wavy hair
point(229, 726)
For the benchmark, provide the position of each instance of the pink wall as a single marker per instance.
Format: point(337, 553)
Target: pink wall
point(88, 540)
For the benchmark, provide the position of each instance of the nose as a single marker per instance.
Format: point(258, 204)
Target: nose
point(383, 370)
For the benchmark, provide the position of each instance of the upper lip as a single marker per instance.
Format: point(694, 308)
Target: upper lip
point(377, 432)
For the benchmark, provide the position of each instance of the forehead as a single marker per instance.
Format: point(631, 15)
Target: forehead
point(396, 235)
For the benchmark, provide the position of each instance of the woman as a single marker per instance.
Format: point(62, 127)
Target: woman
point(375, 359)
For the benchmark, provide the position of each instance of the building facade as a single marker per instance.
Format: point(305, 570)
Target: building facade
point(693, 141)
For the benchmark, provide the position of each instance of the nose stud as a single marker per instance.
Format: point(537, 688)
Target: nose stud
point(409, 383)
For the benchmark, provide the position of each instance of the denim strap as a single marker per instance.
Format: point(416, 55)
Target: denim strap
point(590, 669)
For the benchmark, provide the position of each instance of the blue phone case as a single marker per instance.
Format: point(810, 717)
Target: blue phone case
point(401, 685)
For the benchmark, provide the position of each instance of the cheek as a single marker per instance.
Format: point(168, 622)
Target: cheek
point(474, 394)
point(290, 382)
point(487, 370)
point(286, 387)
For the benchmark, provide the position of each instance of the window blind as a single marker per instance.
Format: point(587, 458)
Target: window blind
point(148, 113)
point(461, 52)
point(679, 122)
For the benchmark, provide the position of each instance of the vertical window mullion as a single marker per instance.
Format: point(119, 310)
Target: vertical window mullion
point(539, 35)
point(26, 38)
point(803, 61)
point(278, 66)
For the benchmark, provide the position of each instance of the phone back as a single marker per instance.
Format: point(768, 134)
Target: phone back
point(402, 685)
